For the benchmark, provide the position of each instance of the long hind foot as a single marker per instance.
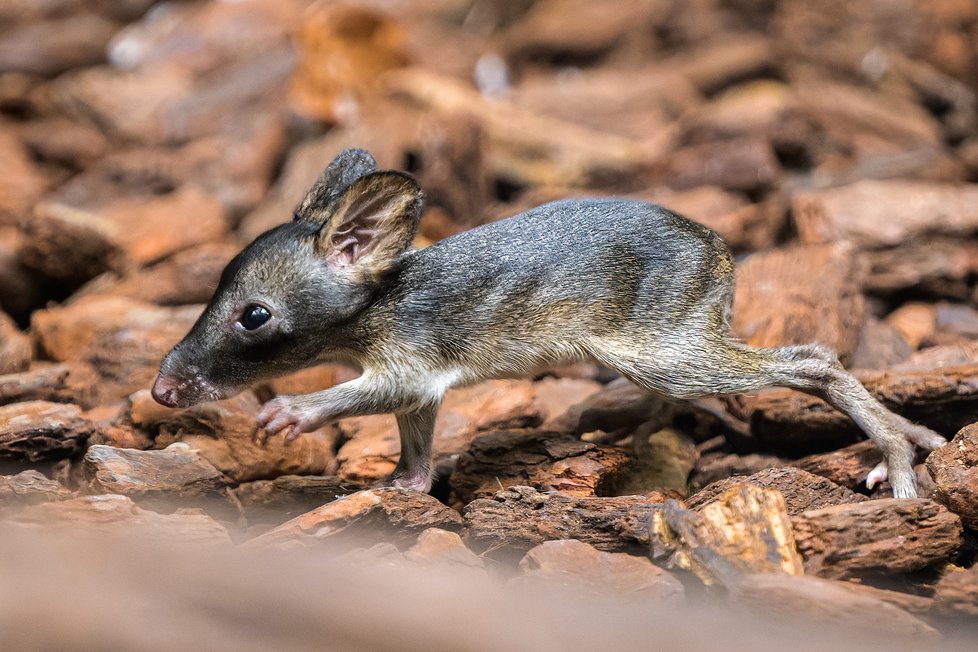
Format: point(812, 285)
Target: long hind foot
point(917, 434)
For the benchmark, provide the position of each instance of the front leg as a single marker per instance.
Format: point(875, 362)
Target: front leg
point(307, 412)
point(417, 429)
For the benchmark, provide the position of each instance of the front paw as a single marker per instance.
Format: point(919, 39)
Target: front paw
point(292, 415)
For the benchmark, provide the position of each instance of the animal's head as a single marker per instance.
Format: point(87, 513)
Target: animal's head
point(279, 298)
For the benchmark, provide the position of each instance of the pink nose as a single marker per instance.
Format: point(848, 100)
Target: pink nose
point(165, 390)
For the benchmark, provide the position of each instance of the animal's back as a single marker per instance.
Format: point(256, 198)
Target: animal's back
point(556, 275)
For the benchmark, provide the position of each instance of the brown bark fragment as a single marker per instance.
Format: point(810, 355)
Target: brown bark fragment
point(285, 497)
point(832, 604)
point(578, 566)
point(954, 468)
point(38, 430)
point(801, 490)
point(895, 535)
point(547, 461)
point(515, 520)
point(71, 382)
point(800, 295)
point(394, 516)
point(746, 529)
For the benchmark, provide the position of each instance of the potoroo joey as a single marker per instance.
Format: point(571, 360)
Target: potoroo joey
point(628, 284)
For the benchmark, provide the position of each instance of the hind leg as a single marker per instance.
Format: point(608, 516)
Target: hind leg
point(715, 365)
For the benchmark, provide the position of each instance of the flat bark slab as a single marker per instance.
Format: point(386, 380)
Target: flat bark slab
point(224, 434)
point(911, 231)
point(746, 529)
point(800, 295)
point(39, 430)
point(395, 516)
point(29, 488)
point(75, 244)
point(118, 516)
point(875, 214)
point(548, 461)
point(956, 594)
point(954, 468)
point(444, 549)
point(801, 490)
point(515, 520)
point(285, 497)
point(435, 551)
point(24, 184)
point(580, 567)
point(886, 535)
point(817, 601)
point(122, 339)
point(174, 472)
point(71, 382)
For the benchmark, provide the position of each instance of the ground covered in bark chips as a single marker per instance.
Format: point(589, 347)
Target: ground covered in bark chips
point(834, 145)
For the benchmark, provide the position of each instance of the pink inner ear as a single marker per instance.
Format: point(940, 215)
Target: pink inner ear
point(349, 244)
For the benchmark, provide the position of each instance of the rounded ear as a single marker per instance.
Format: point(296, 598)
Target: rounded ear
point(373, 222)
point(348, 166)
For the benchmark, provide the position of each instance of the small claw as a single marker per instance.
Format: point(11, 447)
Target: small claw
point(877, 475)
point(292, 433)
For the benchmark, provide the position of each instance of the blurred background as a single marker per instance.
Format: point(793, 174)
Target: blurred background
point(833, 145)
point(144, 141)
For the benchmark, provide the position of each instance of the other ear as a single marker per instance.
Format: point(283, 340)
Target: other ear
point(348, 166)
point(374, 222)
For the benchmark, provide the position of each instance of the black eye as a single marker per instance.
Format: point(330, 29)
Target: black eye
point(254, 316)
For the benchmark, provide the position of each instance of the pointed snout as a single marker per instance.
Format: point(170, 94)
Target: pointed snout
point(166, 391)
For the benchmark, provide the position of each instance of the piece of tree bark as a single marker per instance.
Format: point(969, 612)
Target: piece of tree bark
point(118, 516)
point(847, 466)
point(746, 529)
point(662, 461)
point(56, 383)
point(38, 430)
point(817, 601)
point(954, 468)
point(801, 490)
point(956, 594)
point(515, 520)
point(29, 488)
point(577, 566)
point(394, 516)
point(800, 295)
point(15, 347)
point(876, 214)
point(548, 461)
point(122, 339)
point(895, 535)
point(285, 497)
point(173, 473)
point(224, 432)
point(529, 148)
